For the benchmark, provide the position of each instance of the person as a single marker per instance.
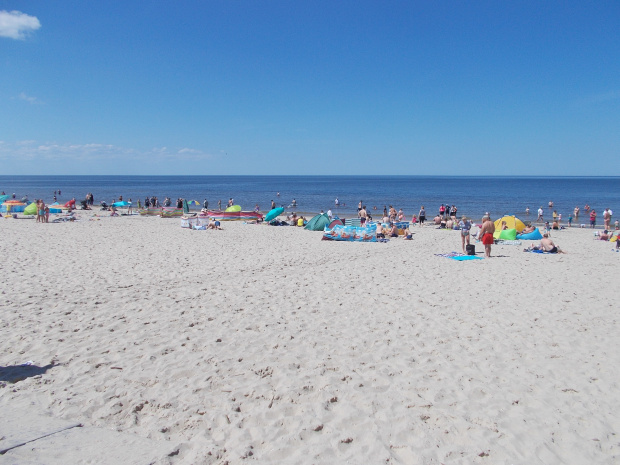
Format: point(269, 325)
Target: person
point(586, 208)
point(380, 234)
point(593, 219)
point(277, 194)
point(359, 205)
point(422, 215)
point(273, 205)
point(453, 211)
point(393, 230)
point(385, 212)
point(401, 215)
point(605, 235)
point(450, 223)
point(465, 226)
point(294, 203)
point(570, 220)
point(40, 211)
point(442, 210)
point(576, 213)
point(408, 235)
point(329, 213)
point(546, 245)
point(213, 224)
point(617, 225)
point(300, 221)
point(438, 220)
point(231, 202)
point(555, 226)
point(550, 204)
point(486, 235)
point(606, 218)
point(528, 229)
point(540, 215)
point(504, 226)
point(527, 210)
point(256, 208)
point(363, 215)
point(129, 209)
point(219, 205)
point(554, 215)
point(336, 202)
point(205, 204)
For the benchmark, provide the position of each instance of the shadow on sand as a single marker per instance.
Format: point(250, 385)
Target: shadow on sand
point(14, 374)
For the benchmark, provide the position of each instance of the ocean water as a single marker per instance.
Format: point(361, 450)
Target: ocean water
point(472, 195)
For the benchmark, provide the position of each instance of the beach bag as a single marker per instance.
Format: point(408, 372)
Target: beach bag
point(470, 249)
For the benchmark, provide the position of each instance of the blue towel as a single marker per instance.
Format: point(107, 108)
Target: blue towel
point(460, 258)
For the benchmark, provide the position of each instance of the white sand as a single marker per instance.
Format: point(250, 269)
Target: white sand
point(270, 344)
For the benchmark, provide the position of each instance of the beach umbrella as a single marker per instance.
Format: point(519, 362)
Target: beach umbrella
point(122, 203)
point(4, 197)
point(193, 202)
point(273, 214)
point(234, 208)
point(511, 221)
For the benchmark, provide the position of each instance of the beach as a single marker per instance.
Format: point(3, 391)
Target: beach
point(267, 344)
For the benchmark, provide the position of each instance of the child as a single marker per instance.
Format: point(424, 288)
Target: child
point(570, 219)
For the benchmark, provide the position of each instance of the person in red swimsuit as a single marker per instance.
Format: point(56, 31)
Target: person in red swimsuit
point(486, 234)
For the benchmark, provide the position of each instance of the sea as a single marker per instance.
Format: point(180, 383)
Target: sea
point(473, 196)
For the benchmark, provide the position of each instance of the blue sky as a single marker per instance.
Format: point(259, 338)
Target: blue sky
point(321, 87)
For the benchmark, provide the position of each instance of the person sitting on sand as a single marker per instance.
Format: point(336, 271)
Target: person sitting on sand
point(380, 234)
point(394, 230)
point(450, 223)
point(547, 245)
point(555, 225)
point(605, 235)
point(437, 220)
point(213, 224)
point(504, 226)
point(408, 235)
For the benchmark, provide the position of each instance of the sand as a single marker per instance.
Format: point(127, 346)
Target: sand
point(267, 344)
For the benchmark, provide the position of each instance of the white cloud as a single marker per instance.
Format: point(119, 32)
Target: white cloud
point(17, 25)
point(29, 99)
point(32, 150)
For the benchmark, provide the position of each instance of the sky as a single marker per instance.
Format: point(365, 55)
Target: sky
point(310, 87)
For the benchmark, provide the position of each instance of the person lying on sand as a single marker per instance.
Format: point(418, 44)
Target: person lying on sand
point(546, 245)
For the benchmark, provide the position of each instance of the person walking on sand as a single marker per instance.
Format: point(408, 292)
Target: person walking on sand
point(486, 235)
point(422, 215)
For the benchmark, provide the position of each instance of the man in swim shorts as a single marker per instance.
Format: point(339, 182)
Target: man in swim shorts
point(486, 234)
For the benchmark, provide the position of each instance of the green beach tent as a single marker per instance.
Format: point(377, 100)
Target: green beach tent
point(31, 209)
point(318, 223)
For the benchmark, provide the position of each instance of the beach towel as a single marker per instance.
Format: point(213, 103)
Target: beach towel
point(458, 256)
point(507, 242)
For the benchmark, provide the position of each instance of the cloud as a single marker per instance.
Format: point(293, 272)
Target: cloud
point(29, 99)
point(17, 25)
point(32, 150)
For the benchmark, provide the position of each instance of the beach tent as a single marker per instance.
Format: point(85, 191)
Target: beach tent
point(234, 208)
point(31, 209)
point(13, 206)
point(185, 206)
point(4, 197)
point(511, 221)
point(318, 223)
point(273, 214)
point(335, 222)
